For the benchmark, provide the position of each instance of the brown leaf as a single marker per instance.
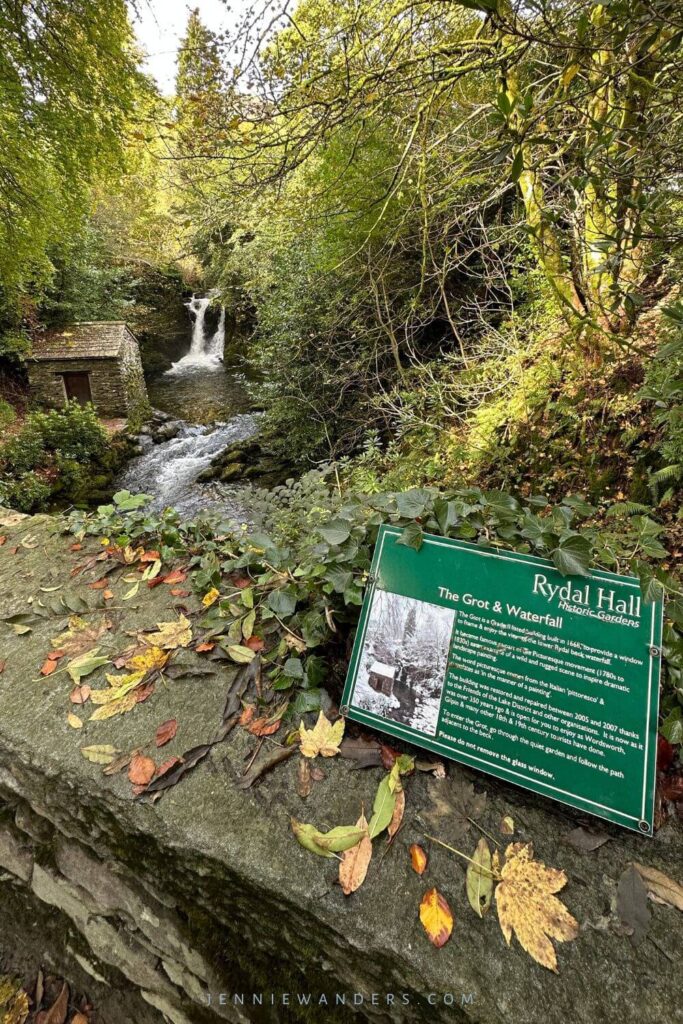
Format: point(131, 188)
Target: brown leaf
point(166, 732)
point(265, 765)
point(436, 917)
point(303, 783)
point(150, 556)
point(80, 694)
point(418, 859)
point(584, 841)
point(144, 691)
point(76, 547)
point(58, 1011)
point(363, 750)
point(176, 591)
point(255, 643)
point(3, 665)
point(141, 770)
point(671, 788)
point(632, 907)
point(388, 755)
point(200, 648)
point(48, 667)
point(241, 582)
point(247, 716)
point(528, 907)
point(397, 816)
point(99, 584)
point(355, 861)
point(507, 825)
point(167, 765)
point(660, 886)
point(79, 1019)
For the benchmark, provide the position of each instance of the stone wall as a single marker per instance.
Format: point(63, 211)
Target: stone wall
point(137, 403)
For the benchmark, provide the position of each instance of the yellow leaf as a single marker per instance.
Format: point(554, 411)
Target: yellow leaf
point(507, 825)
point(210, 597)
point(119, 686)
point(324, 738)
point(80, 636)
point(355, 861)
point(119, 706)
point(14, 1007)
point(172, 634)
point(418, 858)
point(436, 917)
point(100, 754)
point(150, 660)
point(660, 886)
point(527, 905)
point(74, 721)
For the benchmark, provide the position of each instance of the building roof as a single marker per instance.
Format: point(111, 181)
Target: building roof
point(380, 669)
point(100, 339)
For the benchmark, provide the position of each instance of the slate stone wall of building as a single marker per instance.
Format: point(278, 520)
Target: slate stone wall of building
point(107, 383)
point(137, 403)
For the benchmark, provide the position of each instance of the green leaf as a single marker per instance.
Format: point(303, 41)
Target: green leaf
point(672, 727)
point(282, 602)
point(412, 536)
point(127, 502)
point(383, 807)
point(517, 166)
point(413, 503)
point(335, 531)
point(85, 664)
point(326, 844)
point(479, 882)
point(573, 556)
point(242, 655)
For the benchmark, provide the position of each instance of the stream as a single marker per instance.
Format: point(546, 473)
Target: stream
point(204, 393)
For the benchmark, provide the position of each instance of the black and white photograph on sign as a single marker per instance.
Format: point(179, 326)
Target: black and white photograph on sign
point(402, 666)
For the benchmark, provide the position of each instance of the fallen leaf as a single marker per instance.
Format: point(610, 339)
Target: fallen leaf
point(172, 635)
point(660, 886)
point(79, 1019)
point(355, 861)
point(479, 881)
point(264, 726)
point(141, 770)
point(324, 738)
point(80, 694)
point(166, 732)
point(528, 907)
point(397, 816)
point(436, 917)
point(150, 556)
point(58, 1011)
point(265, 764)
point(80, 636)
point(167, 765)
point(74, 721)
point(85, 664)
point(242, 655)
point(326, 844)
point(632, 907)
point(152, 659)
point(3, 665)
point(14, 1002)
point(255, 643)
point(99, 584)
point(189, 760)
point(363, 750)
point(179, 592)
point(418, 859)
point(247, 715)
point(119, 706)
point(75, 547)
point(171, 578)
point(584, 841)
point(507, 825)
point(303, 778)
point(100, 753)
point(48, 667)
point(383, 807)
point(211, 597)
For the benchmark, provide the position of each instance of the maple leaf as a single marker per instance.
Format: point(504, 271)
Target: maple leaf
point(150, 660)
point(436, 917)
point(355, 861)
point(171, 634)
point(324, 738)
point(528, 907)
point(80, 635)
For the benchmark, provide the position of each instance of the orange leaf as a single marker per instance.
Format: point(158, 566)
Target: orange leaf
point(176, 576)
point(255, 643)
point(418, 858)
point(167, 765)
point(75, 547)
point(264, 727)
point(200, 648)
point(56, 655)
point(166, 732)
point(150, 556)
point(107, 595)
point(48, 667)
point(2, 540)
point(247, 715)
point(80, 694)
point(240, 582)
point(179, 592)
point(436, 917)
point(3, 665)
point(141, 770)
point(99, 584)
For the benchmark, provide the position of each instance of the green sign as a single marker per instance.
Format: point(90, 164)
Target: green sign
point(496, 660)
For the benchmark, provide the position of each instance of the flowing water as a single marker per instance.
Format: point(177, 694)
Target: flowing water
point(205, 391)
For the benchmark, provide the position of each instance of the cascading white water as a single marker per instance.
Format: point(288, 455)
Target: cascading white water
point(206, 351)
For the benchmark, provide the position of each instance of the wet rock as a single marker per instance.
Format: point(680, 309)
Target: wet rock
point(249, 460)
point(167, 431)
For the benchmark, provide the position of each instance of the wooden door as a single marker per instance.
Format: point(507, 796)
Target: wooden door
point(77, 386)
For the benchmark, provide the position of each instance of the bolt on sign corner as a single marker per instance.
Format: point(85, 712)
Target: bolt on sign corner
point(496, 660)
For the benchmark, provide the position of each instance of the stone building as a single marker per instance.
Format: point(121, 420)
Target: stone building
point(96, 362)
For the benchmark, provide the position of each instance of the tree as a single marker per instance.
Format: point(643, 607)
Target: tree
point(68, 88)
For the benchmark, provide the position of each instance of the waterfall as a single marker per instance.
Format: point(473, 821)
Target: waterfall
point(206, 350)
